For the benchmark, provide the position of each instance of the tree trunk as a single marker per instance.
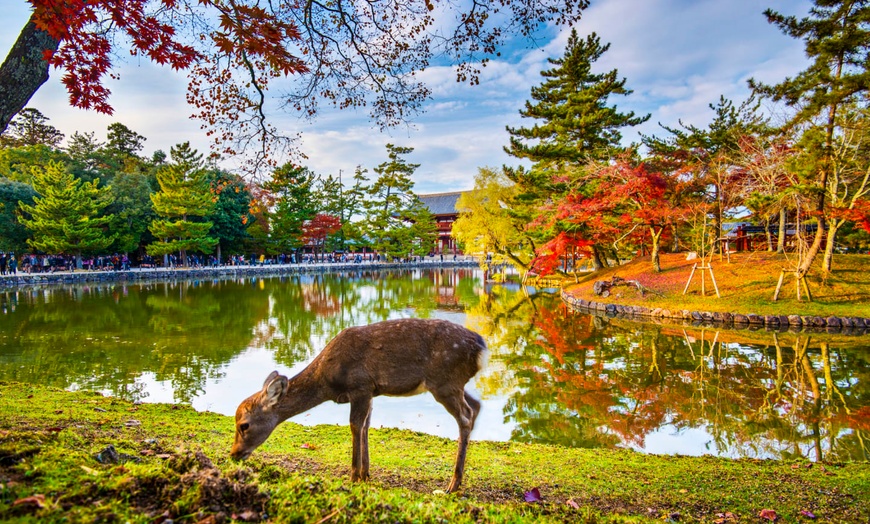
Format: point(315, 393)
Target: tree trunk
point(597, 261)
point(656, 236)
point(23, 71)
point(813, 251)
point(828, 259)
point(780, 242)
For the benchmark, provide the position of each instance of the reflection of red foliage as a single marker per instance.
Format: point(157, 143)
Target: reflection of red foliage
point(859, 419)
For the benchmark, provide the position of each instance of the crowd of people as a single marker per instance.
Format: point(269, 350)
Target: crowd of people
point(10, 264)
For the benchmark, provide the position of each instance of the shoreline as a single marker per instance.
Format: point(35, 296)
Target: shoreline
point(749, 321)
point(132, 276)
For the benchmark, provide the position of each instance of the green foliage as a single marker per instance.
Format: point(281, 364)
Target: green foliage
point(67, 215)
point(185, 197)
point(13, 234)
point(17, 163)
point(572, 103)
point(395, 221)
point(232, 212)
point(293, 188)
point(485, 225)
point(30, 128)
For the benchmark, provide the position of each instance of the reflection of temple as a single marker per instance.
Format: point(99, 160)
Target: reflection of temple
point(446, 282)
point(443, 208)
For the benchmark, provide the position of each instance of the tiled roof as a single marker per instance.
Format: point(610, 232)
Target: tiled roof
point(441, 203)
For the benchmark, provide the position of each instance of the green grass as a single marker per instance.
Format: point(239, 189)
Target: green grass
point(746, 285)
point(49, 439)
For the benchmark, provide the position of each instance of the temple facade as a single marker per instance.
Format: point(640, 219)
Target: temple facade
point(443, 208)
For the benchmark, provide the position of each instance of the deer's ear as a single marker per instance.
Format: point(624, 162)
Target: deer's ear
point(274, 389)
point(270, 378)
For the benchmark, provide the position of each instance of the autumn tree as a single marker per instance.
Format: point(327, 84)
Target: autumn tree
point(576, 122)
point(316, 231)
point(712, 156)
point(485, 225)
point(836, 36)
point(350, 54)
point(67, 214)
point(185, 197)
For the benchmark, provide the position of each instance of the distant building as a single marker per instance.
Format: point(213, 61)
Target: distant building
point(443, 207)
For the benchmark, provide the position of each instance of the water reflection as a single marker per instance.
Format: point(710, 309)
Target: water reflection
point(555, 376)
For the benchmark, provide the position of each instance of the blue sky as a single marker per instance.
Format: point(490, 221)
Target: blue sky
point(677, 55)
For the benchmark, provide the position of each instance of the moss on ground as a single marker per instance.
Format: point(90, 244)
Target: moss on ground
point(171, 462)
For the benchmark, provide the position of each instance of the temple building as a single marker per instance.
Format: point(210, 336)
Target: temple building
point(443, 208)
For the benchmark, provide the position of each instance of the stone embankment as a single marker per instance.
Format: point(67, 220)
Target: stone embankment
point(796, 323)
point(138, 275)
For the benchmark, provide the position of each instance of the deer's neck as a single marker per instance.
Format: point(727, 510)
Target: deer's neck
point(303, 393)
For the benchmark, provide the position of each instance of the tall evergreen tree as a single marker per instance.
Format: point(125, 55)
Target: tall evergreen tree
point(29, 128)
point(232, 213)
point(396, 222)
point(185, 197)
point(577, 124)
point(836, 37)
point(66, 217)
point(293, 189)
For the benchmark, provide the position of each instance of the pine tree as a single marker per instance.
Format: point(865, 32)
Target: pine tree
point(30, 128)
point(293, 189)
point(577, 124)
point(184, 198)
point(836, 37)
point(395, 222)
point(66, 215)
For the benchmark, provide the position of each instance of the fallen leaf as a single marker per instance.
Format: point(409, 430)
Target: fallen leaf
point(247, 516)
point(573, 504)
point(132, 423)
point(89, 471)
point(533, 496)
point(33, 500)
point(768, 514)
point(684, 491)
point(439, 492)
point(808, 514)
point(308, 445)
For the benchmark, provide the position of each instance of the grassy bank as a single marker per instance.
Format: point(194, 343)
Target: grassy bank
point(746, 285)
point(171, 463)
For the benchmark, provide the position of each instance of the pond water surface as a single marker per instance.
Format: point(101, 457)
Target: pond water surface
point(554, 375)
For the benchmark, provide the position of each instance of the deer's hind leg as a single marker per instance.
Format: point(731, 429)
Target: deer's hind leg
point(464, 409)
point(360, 417)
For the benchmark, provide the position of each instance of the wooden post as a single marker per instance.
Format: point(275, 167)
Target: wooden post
point(710, 268)
point(778, 285)
point(692, 274)
point(807, 289)
point(703, 290)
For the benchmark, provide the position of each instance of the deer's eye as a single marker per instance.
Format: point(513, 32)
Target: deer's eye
point(244, 427)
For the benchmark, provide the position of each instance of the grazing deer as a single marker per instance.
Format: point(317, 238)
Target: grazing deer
point(397, 358)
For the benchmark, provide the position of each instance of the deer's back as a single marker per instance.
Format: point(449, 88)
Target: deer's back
point(400, 357)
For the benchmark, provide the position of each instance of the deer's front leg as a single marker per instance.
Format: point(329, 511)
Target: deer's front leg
point(360, 416)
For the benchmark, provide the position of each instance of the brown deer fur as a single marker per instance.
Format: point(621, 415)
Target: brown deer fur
point(396, 358)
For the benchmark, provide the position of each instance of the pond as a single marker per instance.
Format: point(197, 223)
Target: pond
point(554, 375)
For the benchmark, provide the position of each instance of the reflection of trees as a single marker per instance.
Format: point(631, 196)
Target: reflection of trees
point(581, 381)
point(109, 336)
point(571, 378)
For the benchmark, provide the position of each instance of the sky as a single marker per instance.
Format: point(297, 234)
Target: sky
point(678, 56)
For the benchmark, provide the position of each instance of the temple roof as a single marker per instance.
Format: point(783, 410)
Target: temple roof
point(441, 203)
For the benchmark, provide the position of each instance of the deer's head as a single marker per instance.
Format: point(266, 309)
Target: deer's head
point(256, 416)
